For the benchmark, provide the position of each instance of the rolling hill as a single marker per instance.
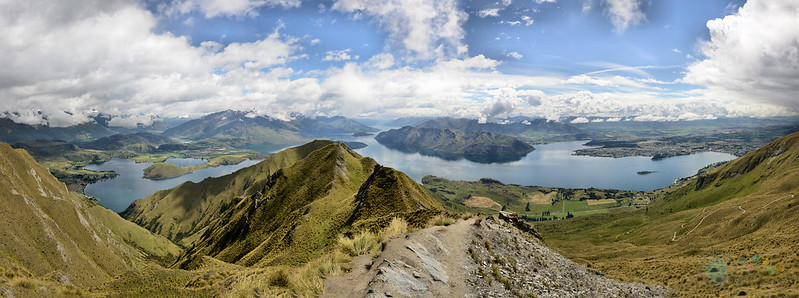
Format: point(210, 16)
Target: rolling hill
point(742, 215)
point(479, 146)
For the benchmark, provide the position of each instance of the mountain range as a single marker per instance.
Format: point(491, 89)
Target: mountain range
point(242, 129)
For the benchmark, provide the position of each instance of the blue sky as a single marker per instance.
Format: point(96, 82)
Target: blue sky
point(621, 59)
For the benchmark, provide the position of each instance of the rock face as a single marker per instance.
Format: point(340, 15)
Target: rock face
point(480, 146)
point(476, 258)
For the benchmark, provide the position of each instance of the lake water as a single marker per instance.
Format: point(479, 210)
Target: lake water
point(550, 165)
point(117, 194)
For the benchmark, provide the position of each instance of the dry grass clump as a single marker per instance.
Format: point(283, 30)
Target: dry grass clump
point(397, 227)
point(362, 243)
point(287, 281)
point(441, 220)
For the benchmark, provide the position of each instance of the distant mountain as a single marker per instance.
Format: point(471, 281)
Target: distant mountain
point(240, 128)
point(52, 241)
point(11, 131)
point(286, 209)
point(408, 121)
point(479, 146)
point(529, 130)
point(143, 142)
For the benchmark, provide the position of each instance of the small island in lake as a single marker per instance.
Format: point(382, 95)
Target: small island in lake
point(646, 172)
point(482, 146)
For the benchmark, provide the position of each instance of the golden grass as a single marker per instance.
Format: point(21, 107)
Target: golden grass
point(600, 202)
point(397, 227)
point(441, 220)
point(540, 198)
point(481, 202)
point(362, 243)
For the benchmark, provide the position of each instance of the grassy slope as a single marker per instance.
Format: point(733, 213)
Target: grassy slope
point(59, 240)
point(182, 211)
point(745, 207)
point(304, 207)
point(515, 198)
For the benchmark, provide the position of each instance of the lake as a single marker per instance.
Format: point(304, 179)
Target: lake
point(551, 165)
point(117, 194)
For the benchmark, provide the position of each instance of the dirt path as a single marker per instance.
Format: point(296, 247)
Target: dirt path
point(428, 262)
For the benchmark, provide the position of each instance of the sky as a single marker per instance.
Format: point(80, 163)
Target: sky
point(658, 60)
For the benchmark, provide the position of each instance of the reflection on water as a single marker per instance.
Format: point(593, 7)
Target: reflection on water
point(117, 194)
point(185, 162)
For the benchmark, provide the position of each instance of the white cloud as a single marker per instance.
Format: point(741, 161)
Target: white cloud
point(490, 12)
point(528, 20)
point(423, 29)
point(753, 55)
point(503, 102)
point(228, 8)
point(515, 55)
point(340, 55)
point(624, 13)
point(545, 1)
point(580, 120)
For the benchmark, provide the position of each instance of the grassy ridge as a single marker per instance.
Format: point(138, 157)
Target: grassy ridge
point(746, 207)
point(302, 209)
point(185, 210)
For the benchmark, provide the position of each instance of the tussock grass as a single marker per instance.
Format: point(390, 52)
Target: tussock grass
point(441, 220)
point(362, 243)
point(397, 227)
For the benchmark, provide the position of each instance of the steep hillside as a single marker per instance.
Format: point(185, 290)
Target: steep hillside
point(142, 142)
point(479, 146)
point(301, 209)
point(529, 130)
point(183, 211)
point(742, 215)
point(58, 239)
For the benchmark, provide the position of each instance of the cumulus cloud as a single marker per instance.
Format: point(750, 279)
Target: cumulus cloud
point(624, 13)
point(752, 55)
point(229, 8)
point(74, 61)
point(515, 55)
point(490, 12)
point(424, 29)
point(501, 104)
point(340, 55)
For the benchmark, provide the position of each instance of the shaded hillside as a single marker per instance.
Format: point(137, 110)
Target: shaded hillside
point(58, 239)
point(479, 146)
point(183, 211)
point(142, 142)
point(240, 129)
point(529, 130)
point(46, 148)
point(742, 214)
point(302, 208)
